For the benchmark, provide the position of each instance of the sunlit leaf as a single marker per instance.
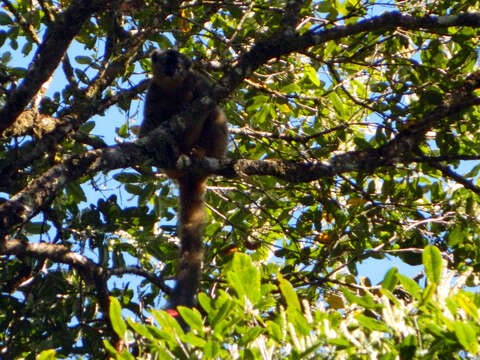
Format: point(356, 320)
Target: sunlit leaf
point(46, 355)
point(370, 323)
point(466, 335)
point(390, 279)
point(192, 317)
point(289, 294)
point(116, 320)
point(432, 260)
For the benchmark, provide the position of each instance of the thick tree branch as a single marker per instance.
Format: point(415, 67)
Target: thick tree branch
point(68, 124)
point(159, 147)
point(54, 252)
point(448, 172)
point(25, 204)
point(389, 21)
point(90, 272)
point(86, 267)
point(49, 54)
point(398, 150)
point(453, 157)
point(285, 42)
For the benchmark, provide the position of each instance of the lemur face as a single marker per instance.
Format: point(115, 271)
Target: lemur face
point(170, 63)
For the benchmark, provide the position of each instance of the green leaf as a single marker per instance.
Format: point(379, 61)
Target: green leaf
point(311, 74)
point(408, 347)
point(82, 76)
point(36, 227)
point(337, 102)
point(109, 347)
point(116, 320)
point(299, 322)
point(27, 48)
point(335, 300)
point(125, 355)
point(461, 58)
point(455, 237)
point(235, 283)
point(432, 260)
point(5, 19)
point(122, 131)
point(87, 127)
point(194, 340)
point(291, 88)
point(167, 323)
point(46, 355)
point(274, 331)
point(467, 305)
point(3, 37)
point(390, 279)
point(310, 351)
point(205, 302)
point(370, 323)
point(168, 336)
point(451, 305)
point(289, 294)
point(192, 317)
point(466, 336)
point(84, 60)
point(211, 349)
point(410, 286)
point(225, 307)
point(76, 192)
point(245, 278)
point(140, 329)
point(340, 342)
point(134, 189)
point(428, 292)
point(365, 301)
point(250, 335)
point(127, 177)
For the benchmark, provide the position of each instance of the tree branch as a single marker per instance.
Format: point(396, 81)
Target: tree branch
point(54, 252)
point(245, 131)
point(90, 272)
point(66, 125)
point(454, 157)
point(28, 28)
point(86, 267)
point(285, 42)
point(49, 54)
point(25, 204)
point(159, 147)
point(448, 172)
point(156, 280)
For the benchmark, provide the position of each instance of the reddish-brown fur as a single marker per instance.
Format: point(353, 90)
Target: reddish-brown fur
point(173, 88)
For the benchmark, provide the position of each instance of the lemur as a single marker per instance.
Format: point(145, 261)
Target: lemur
point(173, 88)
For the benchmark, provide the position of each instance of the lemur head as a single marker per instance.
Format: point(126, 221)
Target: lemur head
point(170, 66)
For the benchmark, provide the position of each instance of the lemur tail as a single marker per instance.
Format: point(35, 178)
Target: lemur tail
point(191, 225)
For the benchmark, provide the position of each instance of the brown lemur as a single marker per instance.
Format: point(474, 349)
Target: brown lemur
point(173, 88)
